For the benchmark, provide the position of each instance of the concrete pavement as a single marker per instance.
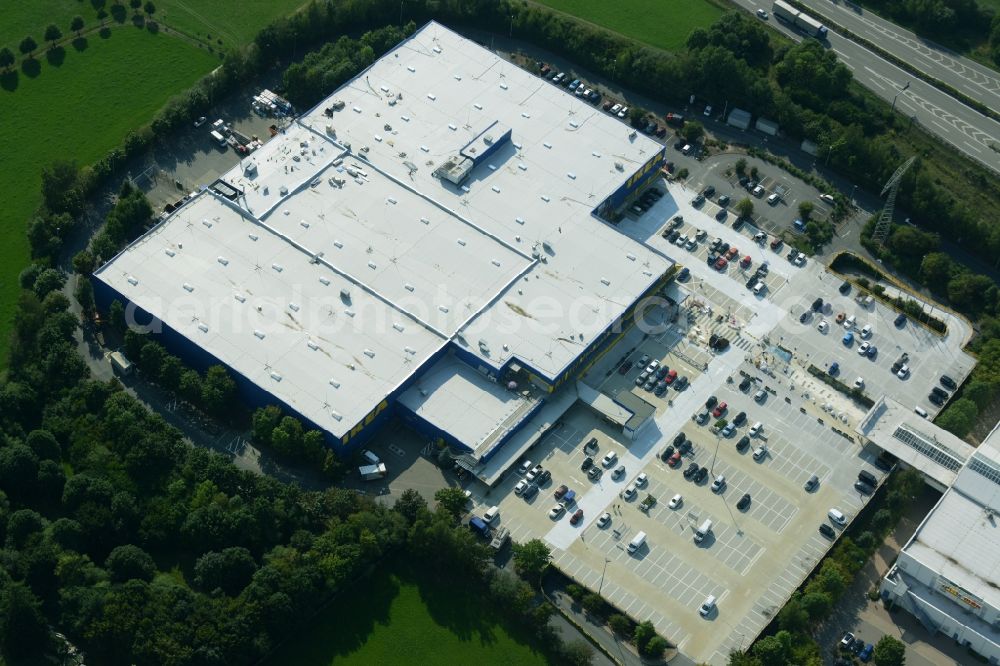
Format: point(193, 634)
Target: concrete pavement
point(967, 76)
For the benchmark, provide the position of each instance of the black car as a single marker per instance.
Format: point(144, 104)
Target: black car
point(744, 180)
point(711, 402)
point(544, 477)
point(936, 399)
point(667, 452)
point(701, 475)
point(662, 371)
point(948, 383)
point(804, 317)
point(817, 305)
point(827, 531)
point(691, 470)
point(712, 340)
point(900, 320)
point(678, 144)
point(722, 214)
point(752, 282)
point(698, 200)
point(723, 248)
point(685, 446)
point(845, 287)
point(681, 383)
point(708, 191)
point(745, 384)
point(722, 344)
point(939, 392)
point(724, 200)
point(740, 419)
point(595, 473)
point(673, 235)
point(863, 488)
point(744, 502)
point(680, 439)
point(743, 444)
point(588, 462)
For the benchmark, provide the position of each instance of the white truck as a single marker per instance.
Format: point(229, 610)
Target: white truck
point(703, 531)
point(372, 472)
point(636, 542)
point(807, 24)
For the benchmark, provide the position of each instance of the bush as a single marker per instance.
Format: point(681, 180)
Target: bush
point(621, 625)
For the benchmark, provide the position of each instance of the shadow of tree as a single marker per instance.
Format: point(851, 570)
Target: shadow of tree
point(80, 44)
point(9, 80)
point(55, 56)
point(118, 13)
point(31, 67)
point(153, 27)
point(138, 20)
point(105, 32)
point(98, 5)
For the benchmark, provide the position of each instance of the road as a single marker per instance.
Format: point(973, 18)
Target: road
point(940, 114)
point(968, 77)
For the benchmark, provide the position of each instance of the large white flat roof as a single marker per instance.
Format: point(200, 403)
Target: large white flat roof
point(260, 306)
point(512, 264)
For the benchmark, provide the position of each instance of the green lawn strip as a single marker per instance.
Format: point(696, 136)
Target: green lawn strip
point(662, 23)
point(396, 616)
point(79, 110)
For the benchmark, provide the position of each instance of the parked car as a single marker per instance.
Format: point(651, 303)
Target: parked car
point(719, 409)
point(744, 502)
point(675, 501)
point(595, 473)
point(619, 472)
point(900, 320)
point(588, 462)
point(604, 520)
point(948, 382)
point(557, 511)
point(560, 492)
point(577, 517)
point(609, 459)
point(520, 486)
point(667, 452)
point(743, 444)
point(740, 419)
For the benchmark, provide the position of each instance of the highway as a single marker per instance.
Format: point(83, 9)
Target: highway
point(940, 114)
point(966, 76)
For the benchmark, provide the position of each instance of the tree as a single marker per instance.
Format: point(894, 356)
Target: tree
point(531, 558)
point(128, 562)
point(229, 570)
point(889, 651)
point(149, 8)
point(620, 625)
point(793, 617)
point(265, 420)
point(774, 650)
point(60, 188)
point(28, 46)
point(972, 292)
point(806, 210)
point(48, 280)
point(637, 116)
point(217, 390)
point(692, 131)
point(935, 270)
point(744, 207)
point(135, 4)
point(76, 25)
point(116, 315)
point(52, 34)
point(6, 58)
point(644, 632)
point(577, 653)
point(410, 505)
point(817, 605)
point(655, 648)
point(593, 604)
point(452, 500)
point(912, 243)
point(740, 167)
point(24, 631)
point(83, 263)
point(959, 417)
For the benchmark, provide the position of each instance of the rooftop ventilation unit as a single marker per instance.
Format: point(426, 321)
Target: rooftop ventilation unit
point(345, 295)
point(457, 167)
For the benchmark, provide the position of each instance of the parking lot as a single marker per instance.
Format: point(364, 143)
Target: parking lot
point(754, 558)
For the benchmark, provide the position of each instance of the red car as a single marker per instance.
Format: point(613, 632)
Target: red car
point(671, 376)
point(746, 261)
point(776, 243)
point(577, 517)
point(624, 367)
point(731, 254)
point(721, 263)
point(719, 409)
point(675, 459)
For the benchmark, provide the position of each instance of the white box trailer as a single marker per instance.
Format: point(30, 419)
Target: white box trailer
point(703, 531)
point(120, 364)
point(372, 472)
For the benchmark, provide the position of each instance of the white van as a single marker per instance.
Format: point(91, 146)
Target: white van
point(707, 606)
point(370, 457)
point(221, 140)
point(837, 517)
point(636, 542)
point(491, 514)
point(759, 288)
point(920, 411)
point(703, 531)
point(755, 429)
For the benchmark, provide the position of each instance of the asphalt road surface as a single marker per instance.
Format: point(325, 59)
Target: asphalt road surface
point(940, 114)
point(967, 76)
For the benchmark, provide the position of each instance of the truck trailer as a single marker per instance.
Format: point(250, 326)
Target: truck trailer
point(372, 472)
point(807, 24)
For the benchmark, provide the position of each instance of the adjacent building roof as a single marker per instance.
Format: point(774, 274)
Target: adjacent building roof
point(935, 452)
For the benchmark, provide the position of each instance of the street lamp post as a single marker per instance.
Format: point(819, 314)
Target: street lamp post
point(718, 441)
point(906, 87)
point(853, 189)
point(511, 35)
point(601, 586)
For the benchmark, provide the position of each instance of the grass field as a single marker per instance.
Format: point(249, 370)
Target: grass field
point(79, 110)
point(662, 23)
point(394, 619)
point(232, 21)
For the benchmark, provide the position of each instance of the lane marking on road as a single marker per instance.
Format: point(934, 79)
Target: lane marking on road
point(975, 148)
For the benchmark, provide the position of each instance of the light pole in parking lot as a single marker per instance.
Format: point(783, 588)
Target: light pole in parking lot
point(601, 586)
point(718, 442)
point(906, 87)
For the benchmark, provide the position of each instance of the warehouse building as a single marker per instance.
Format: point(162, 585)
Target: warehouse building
point(431, 240)
point(947, 575)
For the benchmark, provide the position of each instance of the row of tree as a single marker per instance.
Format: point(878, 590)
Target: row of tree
point(963, 24)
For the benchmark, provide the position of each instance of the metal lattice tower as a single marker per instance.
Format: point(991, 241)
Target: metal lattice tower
point(885, 217)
